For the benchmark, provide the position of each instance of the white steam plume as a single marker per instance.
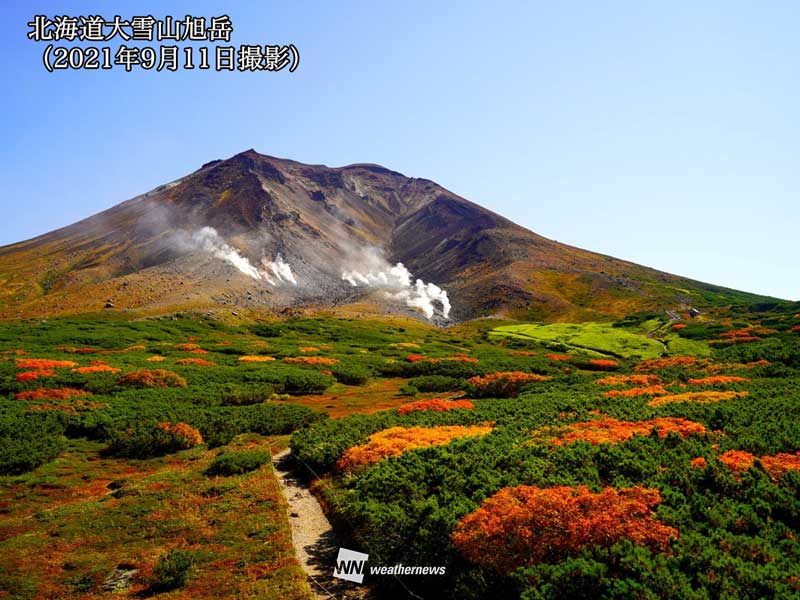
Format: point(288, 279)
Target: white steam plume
point(280, 270)
point(396, 281)
point(273, 272)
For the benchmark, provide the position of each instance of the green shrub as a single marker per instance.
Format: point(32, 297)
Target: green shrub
point(29, 440)
point(350, 374)
point(172, 570)
point(437, 383)
point(306, 382)
point(236, 463)
point(148, 440)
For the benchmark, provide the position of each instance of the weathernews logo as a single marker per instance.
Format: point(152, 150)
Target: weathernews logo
point(352, 565)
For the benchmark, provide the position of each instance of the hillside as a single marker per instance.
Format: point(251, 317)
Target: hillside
point(284, 233)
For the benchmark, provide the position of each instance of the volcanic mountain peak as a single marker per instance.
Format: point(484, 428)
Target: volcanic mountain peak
point(261, 231)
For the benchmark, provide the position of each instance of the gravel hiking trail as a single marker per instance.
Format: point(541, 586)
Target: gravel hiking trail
point(313, 537)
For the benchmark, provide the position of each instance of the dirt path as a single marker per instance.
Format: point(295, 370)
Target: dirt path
point(312, 535)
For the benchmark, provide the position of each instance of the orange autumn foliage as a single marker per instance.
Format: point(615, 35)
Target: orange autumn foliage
point(698, 463)
point(698, 397)
point(716, 368)
point(201, 362)
point(308, 349)
point(72, 407)
point(523, 353)
point(654, 390)
point(604, 363)
point(558, 356)
point(526, 525)
point(461, 358)
point(678, 326)
point(415, 357)
point(252, 358)
point(44, 363)
point(656, 364)
point(96, 369)
point(436, 405)
point(156, 358)
point(718, 380)
point(156, 378)
point(640, 380)
point(187, 435)
point(396, 440)
point(26, 376)
point(776, 466)
point(310, 360)
point(611, 431)
point(51, 394)
point(504, 384)
point(795, 329)
point(187, 346)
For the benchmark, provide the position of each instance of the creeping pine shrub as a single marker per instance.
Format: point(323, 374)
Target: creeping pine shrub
point(145, 441)
point(172, 570)
point(350, 374)
point(306, 382)
point(28, 440)
point(437, 383)
point(236, 463)
point(152, 378)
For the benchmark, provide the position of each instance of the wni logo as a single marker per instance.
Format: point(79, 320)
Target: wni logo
point(351, 565)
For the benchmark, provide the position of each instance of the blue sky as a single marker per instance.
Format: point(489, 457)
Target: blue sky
point(663, 133)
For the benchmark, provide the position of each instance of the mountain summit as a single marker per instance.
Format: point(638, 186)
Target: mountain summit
point(259, 231)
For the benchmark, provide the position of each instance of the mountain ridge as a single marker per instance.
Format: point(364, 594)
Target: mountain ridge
point(143, 254)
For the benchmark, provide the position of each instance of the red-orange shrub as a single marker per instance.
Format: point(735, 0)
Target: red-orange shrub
point(415, 357)
point(699, 463)
point(187, 346)
point(156, 358)
point(559, 356)
point(640, 380)
point(505, 384)
point(44, 363)
point(252, 358)
point(717, 367)
point(611, 431)
point(678, 326)
point(718, 380)
point(26, 376)
point(51, 394)
point(699, 397)
point(795, 329)
point(460, 358)
point(435, 404)
point(653, 390)
point(156, 378)
point(308, 349)
point(525, 525)
point(186, 435)
point(96, 369)
point(776, 466)
point(310, 360)
point(200, 362)
point(656, 364)
point(603, 363)
point(396, 440)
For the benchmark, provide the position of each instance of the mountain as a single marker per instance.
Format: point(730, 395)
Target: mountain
point(155, 253)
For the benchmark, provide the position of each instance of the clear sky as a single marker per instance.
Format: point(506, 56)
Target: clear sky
point(660, 132)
